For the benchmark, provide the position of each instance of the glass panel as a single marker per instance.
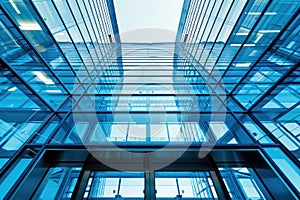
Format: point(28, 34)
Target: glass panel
point(8, 181)
point(242, 183)
point(184, 185)
point(3, 161)
point(290, 170)
point(103, 185)
point(46, 132)
point(101, 128)
point(26, 62)
point(14, 132)
point(58, 184)
point(284, 136)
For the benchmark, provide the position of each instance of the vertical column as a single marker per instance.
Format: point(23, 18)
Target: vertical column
point(81, 184)
point(149, 186)
point(217, 180)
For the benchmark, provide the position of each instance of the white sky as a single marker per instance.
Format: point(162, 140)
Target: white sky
point(148, 14)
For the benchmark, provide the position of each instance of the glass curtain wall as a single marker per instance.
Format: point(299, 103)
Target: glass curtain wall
point(219, 106)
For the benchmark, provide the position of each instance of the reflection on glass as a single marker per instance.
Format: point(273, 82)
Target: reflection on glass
point(58, 184)
point(242, 183)
point(15, 132)
point(184, 185)
point(290, 170)
point(103, 185)
point(8, 181)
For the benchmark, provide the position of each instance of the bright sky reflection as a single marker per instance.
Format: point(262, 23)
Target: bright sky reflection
point(148, 14)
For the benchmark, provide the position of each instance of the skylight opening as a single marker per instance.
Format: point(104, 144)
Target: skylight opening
point(148, 21)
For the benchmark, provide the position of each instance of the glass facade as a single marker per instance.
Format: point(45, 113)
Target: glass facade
point(213, 115)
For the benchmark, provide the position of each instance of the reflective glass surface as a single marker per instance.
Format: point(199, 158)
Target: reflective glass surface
point(184, 185)
point(229, 83)
point(103, 185)
point(242, 183)
point(59, 183)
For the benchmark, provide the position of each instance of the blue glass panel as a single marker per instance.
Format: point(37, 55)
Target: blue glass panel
point(290, 170)
point(283, 136)
point(58, 178)
point(26, 62)
point(3, 161)
point(242, 183)
point(115, 185)
point(8, 181)
point(184, 185)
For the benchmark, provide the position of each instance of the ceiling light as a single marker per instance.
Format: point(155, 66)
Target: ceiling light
point(30, 27)
point(249, 45)
point(242, 64)
point(254, 13)
point(242, 33)
point(43, 77)
point(235, 45)
point(259, 13)
point(12, 89)
point(270, 13)
point(269, 31)
point(53, 91)
point(245, 45)
point(12, 3)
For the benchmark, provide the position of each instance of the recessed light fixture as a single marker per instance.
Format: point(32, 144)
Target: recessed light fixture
point(254, 13)
point(12, 89)
point(259, 13)
point(235, 45)
point(30, 26)
point(12, 3)
point(270, 13)
point(242, 34)
point(53, 91)
point(269, 31)
point(245, 45)
point(249, 45)
point(242, 64)
point(43, 77)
